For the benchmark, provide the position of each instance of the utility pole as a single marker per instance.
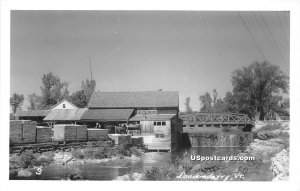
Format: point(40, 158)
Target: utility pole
point(90, 68)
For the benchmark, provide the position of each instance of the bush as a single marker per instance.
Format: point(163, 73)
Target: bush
point(74, 173)
point(100, 153)
point(26, 158)
point(36, 162)
point(77, 153)
point(136, 151)
point(124, 149)
point(89, 152)
point(168, 172)
point(152, 173)
point(271, 127)
point(103, 150)
point(46, 158)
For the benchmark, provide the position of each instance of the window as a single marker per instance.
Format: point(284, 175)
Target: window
point(162, 136)
point(163, 123)
point(154, 122)
point(192, 125)
point(158, 123)
point(64, 105)
point(183, 125)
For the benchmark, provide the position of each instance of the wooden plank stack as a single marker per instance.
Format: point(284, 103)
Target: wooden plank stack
point(29, 131)
point(22, 131)
point(97, 134)
point(69, 132)
point(137, 140)
point(15, 131)
point(43, 134)
point(120, 139)
point(81, 132)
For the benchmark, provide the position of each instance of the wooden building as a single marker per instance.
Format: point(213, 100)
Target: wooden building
point(39, 115)
point(155, 112)
point(32, 115)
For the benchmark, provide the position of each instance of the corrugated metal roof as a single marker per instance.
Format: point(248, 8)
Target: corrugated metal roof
point(134, 99)
point(65, 114)
point(32, 113)
point(107, 114)
point(151, 117)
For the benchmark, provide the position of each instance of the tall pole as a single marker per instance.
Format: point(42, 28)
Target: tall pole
point(90, 68)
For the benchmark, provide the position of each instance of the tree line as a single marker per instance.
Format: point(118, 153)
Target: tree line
point(256, 91)
point(53, 90)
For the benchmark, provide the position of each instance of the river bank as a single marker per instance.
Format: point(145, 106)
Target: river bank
point(270, 149)
point(272, 146)
point(28, 163)
point(127, 163)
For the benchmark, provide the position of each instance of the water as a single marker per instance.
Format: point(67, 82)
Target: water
point(111, 169)
point(224, 139)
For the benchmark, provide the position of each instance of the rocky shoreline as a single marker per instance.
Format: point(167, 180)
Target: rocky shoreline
point(272, 146)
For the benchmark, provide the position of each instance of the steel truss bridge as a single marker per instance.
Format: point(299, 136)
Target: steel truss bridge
point(216, 119)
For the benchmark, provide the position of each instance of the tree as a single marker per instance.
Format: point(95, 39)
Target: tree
point(215, 96)
point(53, 90)
point(34, 102)
point(79, 99)
point(82, 97)
point(188, 108)
point(285, 104)
point(206, 102)
point(256, 84)
point(88, 87)
point(16, 101)
point(219, 106)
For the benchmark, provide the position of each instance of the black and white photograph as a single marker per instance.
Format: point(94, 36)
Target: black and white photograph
point(149, 95)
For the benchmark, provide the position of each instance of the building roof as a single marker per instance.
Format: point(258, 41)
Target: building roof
point(53, 107)
point(146, 99)
point(32, 113)
point(151, 117)
point(107, 114)
point(65, 114)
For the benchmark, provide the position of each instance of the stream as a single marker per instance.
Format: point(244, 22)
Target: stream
point(111, 169)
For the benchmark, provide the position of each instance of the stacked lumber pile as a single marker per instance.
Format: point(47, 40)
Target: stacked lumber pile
point(81, 132)
point(97, 134)
point(120, 139)
point(29, 131)
point(69, 132)
point(22, 131)
point(15, 131)
point(43, 134)
point(137, 140)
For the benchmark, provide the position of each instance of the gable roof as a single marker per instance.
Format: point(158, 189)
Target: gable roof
point(107, 114)
point(134, 99)
point(32, 113)
point(61, 102)
point(65, 114)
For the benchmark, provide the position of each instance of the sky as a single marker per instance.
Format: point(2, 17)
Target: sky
point(192, 52)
